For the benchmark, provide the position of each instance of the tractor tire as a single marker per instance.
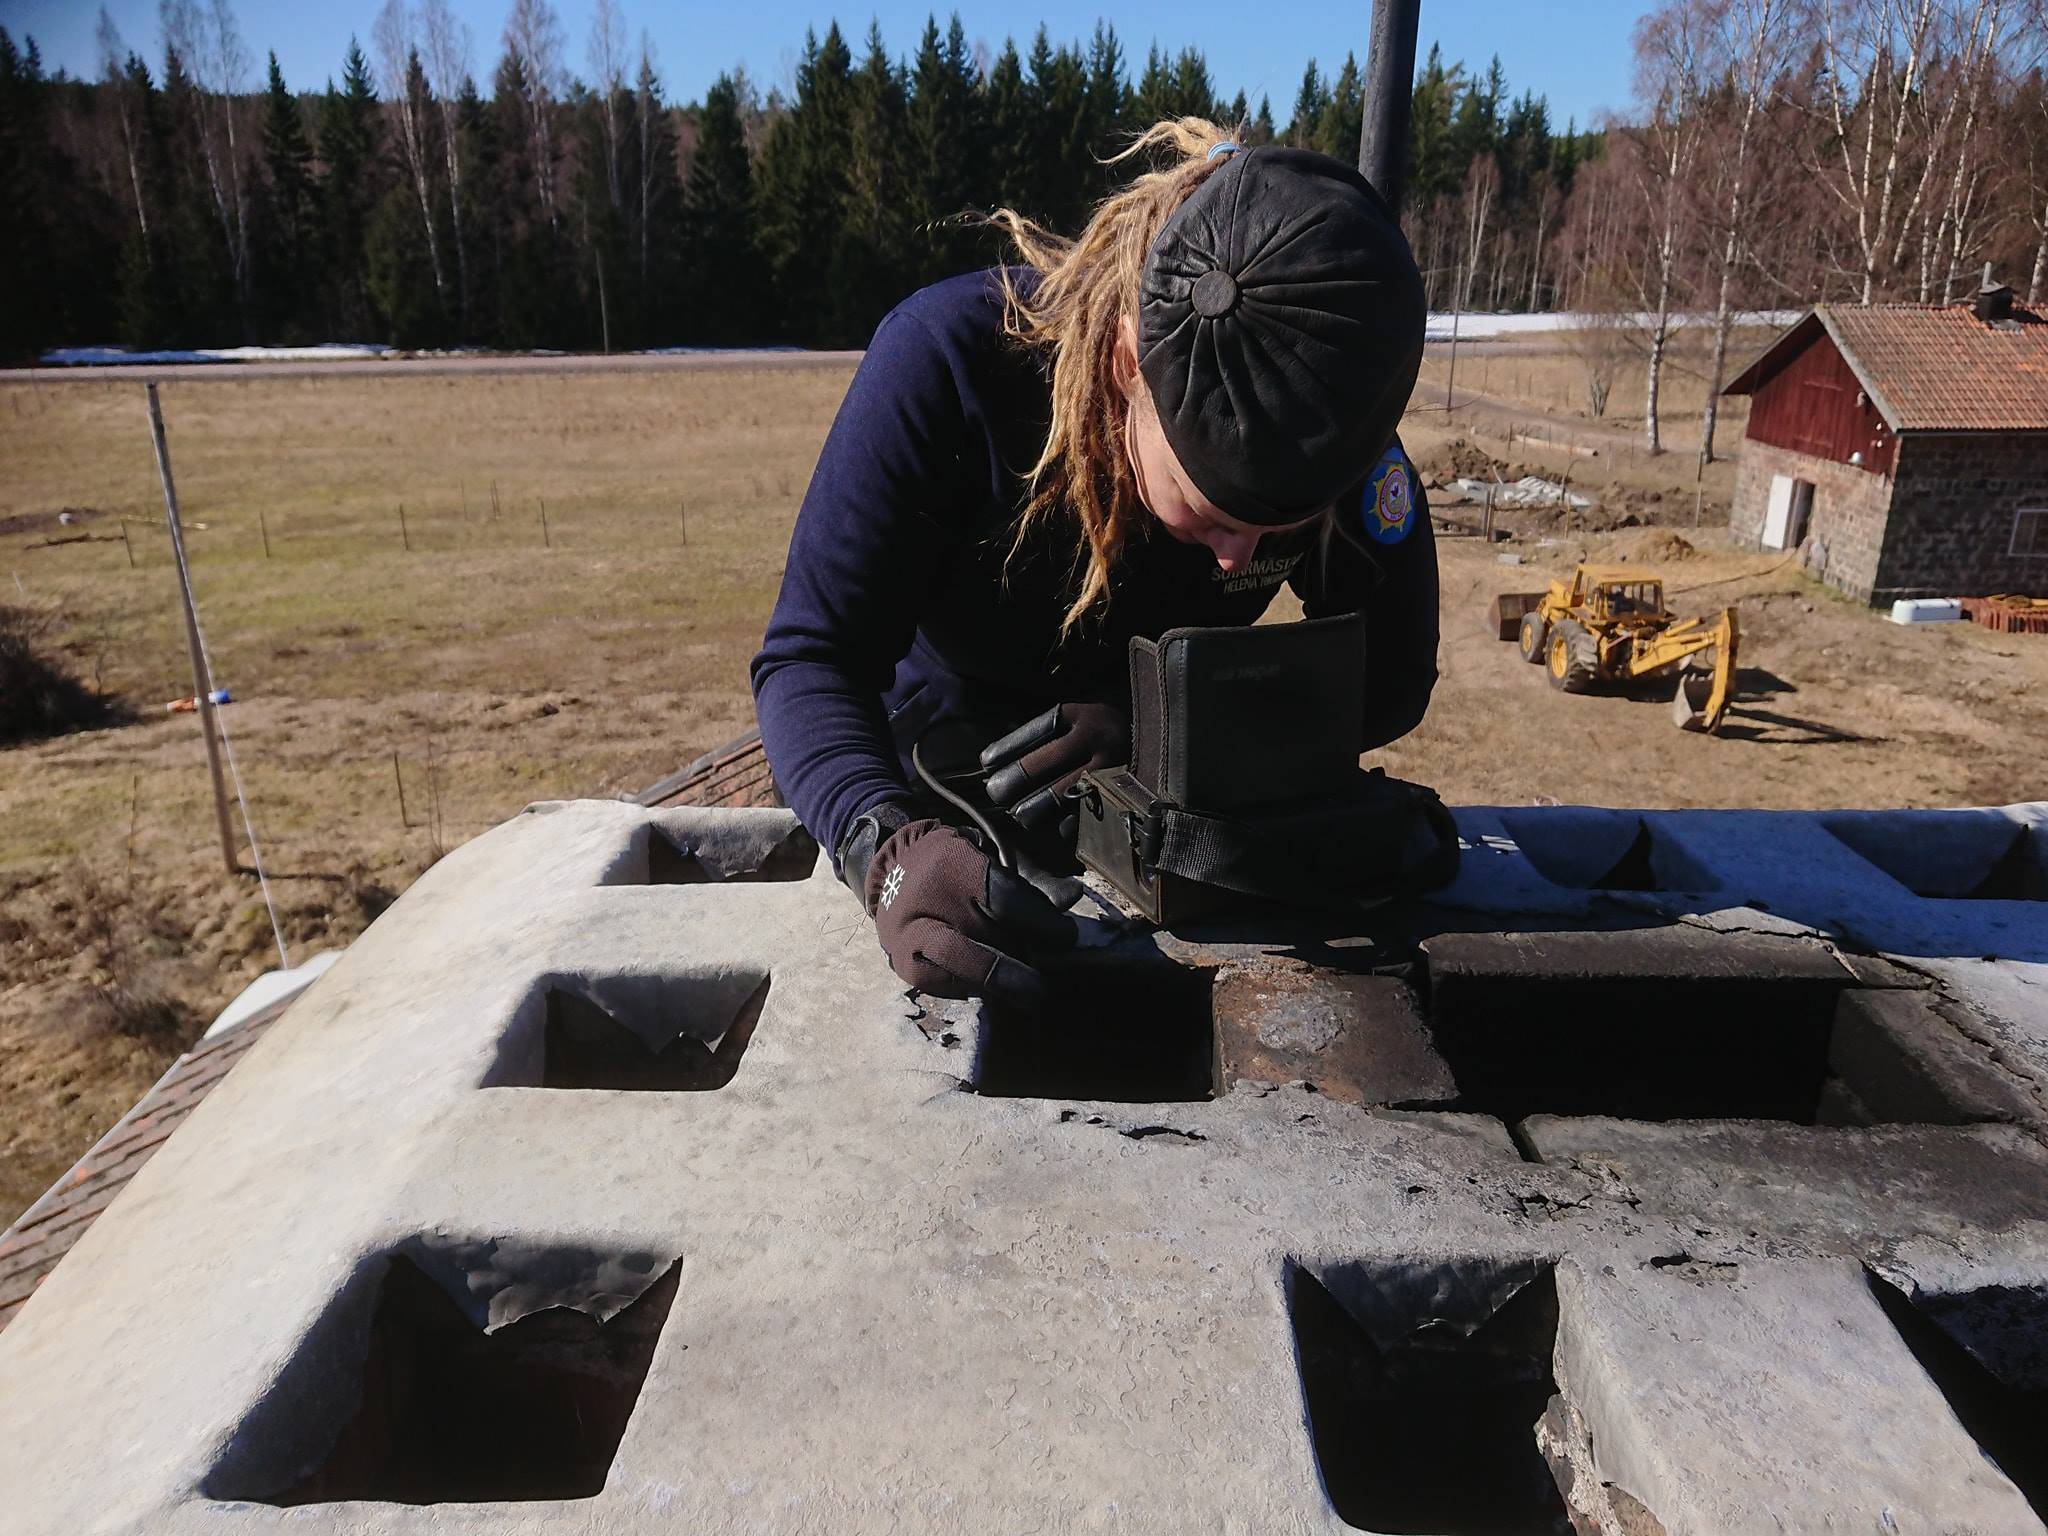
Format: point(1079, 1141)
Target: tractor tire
point(1572, 658)
point(1535, 630)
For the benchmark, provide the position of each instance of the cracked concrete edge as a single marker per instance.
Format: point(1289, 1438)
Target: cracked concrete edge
point(1755, 1419)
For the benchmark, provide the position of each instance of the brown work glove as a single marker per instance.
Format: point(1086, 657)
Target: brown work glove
point(1031, 769)
point(955, 923)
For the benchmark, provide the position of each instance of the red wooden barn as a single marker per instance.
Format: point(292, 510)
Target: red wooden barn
point(1902, 449)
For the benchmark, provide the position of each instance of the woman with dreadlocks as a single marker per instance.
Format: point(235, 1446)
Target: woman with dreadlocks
point(1150, 426)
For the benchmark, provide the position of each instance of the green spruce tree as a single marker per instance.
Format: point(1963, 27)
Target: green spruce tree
point(348, 194)
point(289, 227)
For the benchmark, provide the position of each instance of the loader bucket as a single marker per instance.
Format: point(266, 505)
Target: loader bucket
point(1508, 609)
point(1702, 700)
point(1689, 704)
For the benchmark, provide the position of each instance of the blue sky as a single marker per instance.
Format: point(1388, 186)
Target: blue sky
point(1577, 56)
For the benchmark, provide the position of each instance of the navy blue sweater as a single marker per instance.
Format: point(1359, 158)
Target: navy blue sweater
point(897, 612)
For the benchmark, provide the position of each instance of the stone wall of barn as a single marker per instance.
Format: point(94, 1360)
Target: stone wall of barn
point(1953, 515)
point(1845, 536)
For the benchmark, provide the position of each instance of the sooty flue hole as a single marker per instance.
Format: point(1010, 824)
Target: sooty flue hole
point(2003, 1410)
point(1958, 856)
point(1437, 1432)
point(585, 1047)
point(1637, 1049)
point(451, 1414)
point(668, 863)
point(1131, 1031)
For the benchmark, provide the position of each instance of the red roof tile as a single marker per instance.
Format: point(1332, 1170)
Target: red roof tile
point(737, 774)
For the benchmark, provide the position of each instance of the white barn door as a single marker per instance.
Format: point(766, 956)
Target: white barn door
point(1778, 512)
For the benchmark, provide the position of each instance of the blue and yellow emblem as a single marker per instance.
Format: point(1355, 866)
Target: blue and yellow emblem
point(1389, 508)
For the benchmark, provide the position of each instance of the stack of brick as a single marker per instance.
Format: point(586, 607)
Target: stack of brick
point(2008, 613)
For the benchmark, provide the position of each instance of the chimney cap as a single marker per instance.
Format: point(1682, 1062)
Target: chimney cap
point(1993, 300)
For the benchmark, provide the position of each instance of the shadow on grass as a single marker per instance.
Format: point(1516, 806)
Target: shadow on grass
point(38, 695)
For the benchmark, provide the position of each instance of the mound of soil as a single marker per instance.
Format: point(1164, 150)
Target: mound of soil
point(1648, 546)
point(1460, 457)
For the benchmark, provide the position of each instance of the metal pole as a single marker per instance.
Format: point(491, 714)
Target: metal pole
point(202, 682)
point(1451, 377)
point(1389, 87)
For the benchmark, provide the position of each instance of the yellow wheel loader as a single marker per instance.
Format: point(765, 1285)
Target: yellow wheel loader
point(1609, 625)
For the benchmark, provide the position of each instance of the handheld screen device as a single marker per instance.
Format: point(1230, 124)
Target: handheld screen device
point(1244, 784)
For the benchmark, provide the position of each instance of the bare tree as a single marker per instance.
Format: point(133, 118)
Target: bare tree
point(1482, 181)
point(1746, 47)
point(607, 56)
point(114, 72)
point(533, 36)
point(211, 45)
point(396, 37)
point(447, 41)
point(1547, 205)
point(1662, 155)
point(1872, 85)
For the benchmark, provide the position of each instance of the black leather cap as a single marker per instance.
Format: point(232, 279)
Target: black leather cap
point(1280, 323)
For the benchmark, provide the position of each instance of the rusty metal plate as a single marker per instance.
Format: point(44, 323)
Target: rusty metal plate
point(1357, 1039)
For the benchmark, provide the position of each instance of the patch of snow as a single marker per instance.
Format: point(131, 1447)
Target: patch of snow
point(1485, 327)
point(711, 351)
point(99, 357)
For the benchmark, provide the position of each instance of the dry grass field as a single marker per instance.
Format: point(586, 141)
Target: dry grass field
point(487, 666)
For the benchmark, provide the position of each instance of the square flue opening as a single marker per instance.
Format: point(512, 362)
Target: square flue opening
point(437, 1409)
point(1987, 1352)
point(1433, 1430)
point(1592, 850)
point(673, 861)
point(587, 1047)
point(1637, 1048)
point(1121, 1030)
point(1950, 855)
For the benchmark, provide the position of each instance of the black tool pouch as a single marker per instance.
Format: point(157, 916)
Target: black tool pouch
point(1245, 779)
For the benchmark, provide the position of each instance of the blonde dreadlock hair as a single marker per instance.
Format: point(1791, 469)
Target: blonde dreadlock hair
point(1086, 286)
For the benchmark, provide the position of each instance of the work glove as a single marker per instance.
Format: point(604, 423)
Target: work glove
point(1031, 770)
point(955, 923)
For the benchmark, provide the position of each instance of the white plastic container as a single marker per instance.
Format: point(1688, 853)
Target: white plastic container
point(1927, 610)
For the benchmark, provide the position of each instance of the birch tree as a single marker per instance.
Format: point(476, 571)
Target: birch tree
point(114, 76)
point(1746, 51)
point(211, 45)
point(606, 55)
point(396, 38)
point(533, 36)
point(1873, 63)
point(446, 51)
point(1664, 151)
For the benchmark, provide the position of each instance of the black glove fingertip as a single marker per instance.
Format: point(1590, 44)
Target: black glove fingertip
point(1014, 984)
point(1009, 784)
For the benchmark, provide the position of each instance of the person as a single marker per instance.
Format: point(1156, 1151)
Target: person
point(1151, 425)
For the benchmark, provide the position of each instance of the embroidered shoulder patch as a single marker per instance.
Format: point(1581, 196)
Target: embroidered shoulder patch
point(1389, 509)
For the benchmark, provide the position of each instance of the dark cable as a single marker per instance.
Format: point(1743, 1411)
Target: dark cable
point(963, 805)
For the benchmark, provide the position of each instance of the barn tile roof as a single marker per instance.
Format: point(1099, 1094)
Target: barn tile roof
point(1929, 367)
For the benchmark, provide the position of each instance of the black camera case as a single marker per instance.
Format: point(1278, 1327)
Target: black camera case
point(1244, 780)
